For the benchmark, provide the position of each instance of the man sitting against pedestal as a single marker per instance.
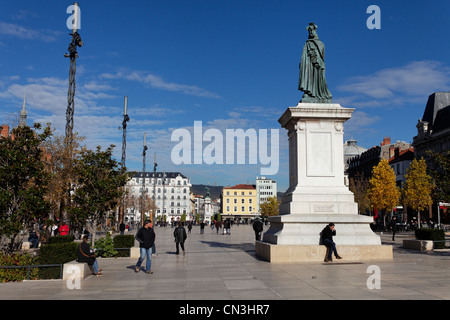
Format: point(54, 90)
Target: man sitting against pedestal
point(327, 240)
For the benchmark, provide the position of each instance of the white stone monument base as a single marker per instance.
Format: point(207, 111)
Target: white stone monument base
point(317, 194)
point(315, 253)
point(296, 238)
point(305, 229)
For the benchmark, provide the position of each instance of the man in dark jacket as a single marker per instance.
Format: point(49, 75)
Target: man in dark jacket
point(146, 237)
point(84, 254)
point(327, 239)
point(258, 228)
point(394, 227)
point(180, 236)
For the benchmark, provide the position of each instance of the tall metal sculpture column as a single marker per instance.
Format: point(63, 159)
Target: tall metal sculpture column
point(154, 189)
point(126, 118)
point(73, 55)
point(143, 194)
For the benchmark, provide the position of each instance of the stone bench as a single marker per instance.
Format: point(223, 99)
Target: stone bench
point(316, 253)
point(135, 252)
point(26, 245)
point(422, 245)
point(77, 270)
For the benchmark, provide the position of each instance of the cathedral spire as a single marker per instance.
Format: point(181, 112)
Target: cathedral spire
point(23, 113)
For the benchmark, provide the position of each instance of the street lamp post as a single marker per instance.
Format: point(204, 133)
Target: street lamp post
point(144, 153)
point(126, 118)
point(154, 189)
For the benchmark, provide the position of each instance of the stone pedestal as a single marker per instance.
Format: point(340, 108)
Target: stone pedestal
point(317, 193)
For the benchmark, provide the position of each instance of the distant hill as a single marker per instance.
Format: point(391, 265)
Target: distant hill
point(214, 191)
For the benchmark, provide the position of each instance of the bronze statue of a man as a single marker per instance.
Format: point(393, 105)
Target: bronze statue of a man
point(312, 70)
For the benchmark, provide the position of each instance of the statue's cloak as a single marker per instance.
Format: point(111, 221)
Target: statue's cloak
point(312, 79)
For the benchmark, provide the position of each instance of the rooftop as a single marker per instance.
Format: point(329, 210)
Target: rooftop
point(242, 186)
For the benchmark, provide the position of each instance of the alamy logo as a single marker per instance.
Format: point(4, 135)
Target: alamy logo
point(374, 21)
point(73, 281)
point(74, 21)
point(374, 280)
point(213, 153)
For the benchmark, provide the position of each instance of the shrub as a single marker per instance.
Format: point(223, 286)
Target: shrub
point(61, 239)
point(56, 253)
point(431, 234)
point(17, 274)
point(105, 246)
point(123, 241)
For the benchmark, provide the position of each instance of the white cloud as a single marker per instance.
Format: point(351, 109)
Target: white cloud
point(15, 30)
point(158, 83)
point(399, 85)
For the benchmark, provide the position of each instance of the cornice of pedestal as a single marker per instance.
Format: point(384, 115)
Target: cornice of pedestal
point(311, 111)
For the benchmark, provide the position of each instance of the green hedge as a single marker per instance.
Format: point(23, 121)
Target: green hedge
point(61, 239)
point(17, 274)
point(123, 241)
point(431, 234)
point(56, 253)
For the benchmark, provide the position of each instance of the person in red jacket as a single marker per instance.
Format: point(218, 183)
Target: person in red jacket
point(64, 229)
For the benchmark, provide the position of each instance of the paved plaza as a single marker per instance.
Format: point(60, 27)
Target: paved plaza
point(224, 267)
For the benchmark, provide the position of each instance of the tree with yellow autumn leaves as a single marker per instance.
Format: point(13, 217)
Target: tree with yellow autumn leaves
point(383, 192)
point(417, 190)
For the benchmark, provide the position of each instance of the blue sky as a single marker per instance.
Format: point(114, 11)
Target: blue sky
point(230, 64)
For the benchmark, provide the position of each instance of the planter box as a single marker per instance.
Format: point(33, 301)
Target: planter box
point(422, 245)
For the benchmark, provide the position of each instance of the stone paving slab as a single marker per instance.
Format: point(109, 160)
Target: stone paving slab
point(225, 268)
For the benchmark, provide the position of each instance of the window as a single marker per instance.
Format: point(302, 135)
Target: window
point(235, 208)
point(235, 200)
point(228, 208)
point(242, 201)
point(243, 209)
point(228, 200)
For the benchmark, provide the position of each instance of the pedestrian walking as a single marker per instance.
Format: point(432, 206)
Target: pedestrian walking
point(122, 228)
point(190, 226)
point(146, 238)
point(227, 227)
point(217, 226)
point(394, 227)
point(258, 228)
point(327, 239)
point(180, 237)
point(202, 227)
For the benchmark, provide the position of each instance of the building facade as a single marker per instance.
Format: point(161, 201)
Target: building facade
point(400, 163)
point(433, 130)
point(239, 202)
point(171, 192)
point(364, 163)
point(265, 188)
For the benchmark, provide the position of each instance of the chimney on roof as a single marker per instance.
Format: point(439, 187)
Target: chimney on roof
point(4, 130)
point(386, 141)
